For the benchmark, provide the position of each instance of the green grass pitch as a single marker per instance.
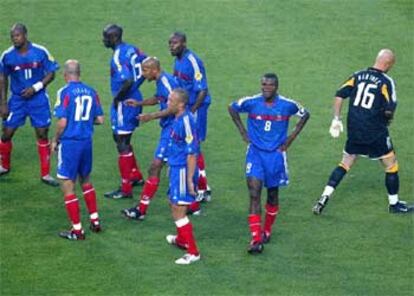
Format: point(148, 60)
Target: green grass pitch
point(355, 248)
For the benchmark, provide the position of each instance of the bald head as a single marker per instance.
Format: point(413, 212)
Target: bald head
point(385, 60)
point(71, 70)
point(151, 62)
point(151, 68)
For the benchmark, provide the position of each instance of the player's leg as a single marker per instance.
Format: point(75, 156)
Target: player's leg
point(125, 164)
point(179, 201)
point(15, 119)
point(272, 209)
point(43, 149)
point(89, 193)
point(68, 160)
point(6, 146)
point(40, 117)
point(392, 183)
point(148, 191)
point(204, 191)
point(255, 216)
point(334, 180)
point(136, 176)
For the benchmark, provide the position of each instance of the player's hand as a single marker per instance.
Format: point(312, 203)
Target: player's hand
point(28, 92)
point(144, 117)
point(131, 103)
point(191, 189)
point(4, 111)
point(336, 128)
point(53, 146)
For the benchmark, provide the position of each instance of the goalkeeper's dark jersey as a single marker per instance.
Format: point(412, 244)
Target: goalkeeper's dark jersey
point(371, 92)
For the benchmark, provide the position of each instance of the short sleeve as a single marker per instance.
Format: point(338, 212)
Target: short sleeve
point(243, 105)
point(61, 106)
point(346, 88)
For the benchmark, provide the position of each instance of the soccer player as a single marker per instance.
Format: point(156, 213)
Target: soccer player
point(183, 147)
point(126, 78)
point(190, 71)
point(165, 84)
point(31, 68)
point(267, 137)
point(77, 110)
point(372, 103)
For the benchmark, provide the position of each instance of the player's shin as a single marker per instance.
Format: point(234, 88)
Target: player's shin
point(72, 209)
point(392, 183)
point(43, 148)
point(89, 195)
point(136, 174)
point(125, 165)
point(202, 176)
point(148, 192)
point(271, 214)
point(186, 236)
point(5, 154)
point(254, 221)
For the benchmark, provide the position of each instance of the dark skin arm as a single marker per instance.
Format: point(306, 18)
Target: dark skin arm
point(147, 102)
point(120, 96)
point(298, 128)
point(4, 84)
point(155, 115)
point(199, 101)
point(30, 91)
point(239, 124)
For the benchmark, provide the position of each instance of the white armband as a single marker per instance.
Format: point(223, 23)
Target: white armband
point(38, 86)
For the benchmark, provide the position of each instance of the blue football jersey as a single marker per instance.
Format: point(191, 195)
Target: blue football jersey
point(28, 68)
point(126, 65)
point(80, 105)
point(165, 84)
point(191, 75)
point(183, 140)
point(268, 123)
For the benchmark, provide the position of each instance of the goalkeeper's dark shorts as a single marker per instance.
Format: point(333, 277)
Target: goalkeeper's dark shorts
point(378, 149)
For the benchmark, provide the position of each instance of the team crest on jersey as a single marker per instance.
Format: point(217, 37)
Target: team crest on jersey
point(198, 76)
point(189, 138)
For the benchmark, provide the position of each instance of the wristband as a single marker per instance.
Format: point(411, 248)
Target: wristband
point(38, 86)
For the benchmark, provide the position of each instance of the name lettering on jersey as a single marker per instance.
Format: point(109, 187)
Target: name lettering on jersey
point(269, 117)
point(371, 78)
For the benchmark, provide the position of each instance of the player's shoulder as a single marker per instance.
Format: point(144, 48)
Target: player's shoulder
point(286, 100)
point(7, 52)
point(251, 98)
point(40, 48)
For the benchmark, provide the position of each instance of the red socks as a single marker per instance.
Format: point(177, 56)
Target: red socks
point(72, 208)
point(5, 152)
point(271, 214)
point(43, 148)
point(125, 166)
point(136, 174)
point(202, 177)
point(148, 192)
point(255, 227)
point(90, 199)
point(194, 207)
point(185, 235)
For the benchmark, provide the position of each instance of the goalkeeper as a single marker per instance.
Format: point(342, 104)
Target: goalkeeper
point(372, 102)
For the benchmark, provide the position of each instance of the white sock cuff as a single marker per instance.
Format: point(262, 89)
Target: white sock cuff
point(328, 190)
point(94, 216)
point(392, 199)
point(181, 222)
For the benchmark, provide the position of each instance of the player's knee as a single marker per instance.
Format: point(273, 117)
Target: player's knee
point(345, 166)
point(155, 168)
point(392, 168)
point(123, 147)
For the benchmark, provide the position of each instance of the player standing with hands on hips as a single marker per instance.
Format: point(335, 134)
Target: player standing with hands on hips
point(31, 68)
point(372, 103)
point(267, 137)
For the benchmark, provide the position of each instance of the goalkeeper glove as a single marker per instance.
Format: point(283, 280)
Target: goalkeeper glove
point(336, 127)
